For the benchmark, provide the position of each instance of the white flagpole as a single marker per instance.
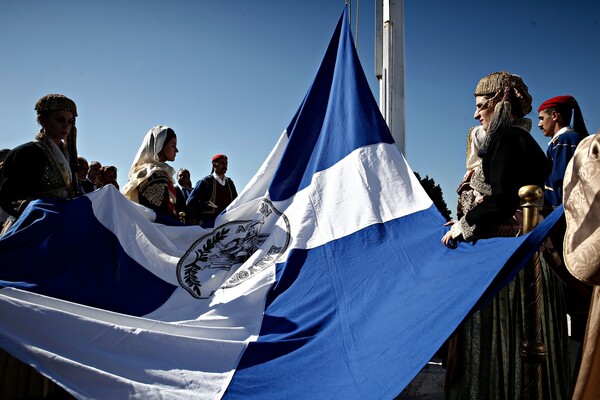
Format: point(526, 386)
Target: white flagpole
point(389, 65)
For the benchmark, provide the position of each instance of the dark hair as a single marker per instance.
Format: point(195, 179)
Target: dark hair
point(3, 154)
point(170, 135)
point(103, 170)
point(565, 112)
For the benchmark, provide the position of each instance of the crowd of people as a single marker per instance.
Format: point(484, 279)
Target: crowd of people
point(152, 183)
point(483, 360)
point(49, 166)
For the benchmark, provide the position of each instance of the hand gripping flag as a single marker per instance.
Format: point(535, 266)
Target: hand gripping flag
point(326, 277)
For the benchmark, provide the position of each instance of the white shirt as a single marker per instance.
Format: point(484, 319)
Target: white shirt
point(560, 132)
point(218, 178)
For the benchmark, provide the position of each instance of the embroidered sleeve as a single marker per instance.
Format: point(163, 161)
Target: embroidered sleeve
point(154, 193)
point(478, 182)
point(462, 227)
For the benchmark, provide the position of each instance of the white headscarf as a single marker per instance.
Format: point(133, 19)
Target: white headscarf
point(147, 162)
point(476, 141)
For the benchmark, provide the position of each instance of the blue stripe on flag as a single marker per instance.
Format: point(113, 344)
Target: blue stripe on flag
point(360, 316)
point(338, 115)
point(77, 260)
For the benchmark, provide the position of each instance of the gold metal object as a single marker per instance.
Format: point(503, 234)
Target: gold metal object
point(532, 349)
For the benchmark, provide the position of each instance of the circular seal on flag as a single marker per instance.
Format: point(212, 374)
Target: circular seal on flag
point(234, 252)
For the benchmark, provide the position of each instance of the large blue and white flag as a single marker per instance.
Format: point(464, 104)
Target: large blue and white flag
point(326, 278)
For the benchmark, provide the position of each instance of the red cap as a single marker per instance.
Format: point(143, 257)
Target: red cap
point(217, 156)
point(558, 101)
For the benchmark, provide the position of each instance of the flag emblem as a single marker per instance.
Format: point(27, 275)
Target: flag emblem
point(206, 264)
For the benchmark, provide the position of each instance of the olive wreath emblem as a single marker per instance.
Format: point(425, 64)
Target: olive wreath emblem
point(190, 271)
point(211, 257)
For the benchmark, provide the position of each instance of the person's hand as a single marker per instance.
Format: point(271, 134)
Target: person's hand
point(447, 239)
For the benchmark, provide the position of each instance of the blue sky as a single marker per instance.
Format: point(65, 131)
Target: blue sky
point(229, 75)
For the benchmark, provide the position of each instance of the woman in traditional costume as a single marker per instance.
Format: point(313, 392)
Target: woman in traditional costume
point(151, 181)
point(486, 363)
point(47, 166)
point(43, 168)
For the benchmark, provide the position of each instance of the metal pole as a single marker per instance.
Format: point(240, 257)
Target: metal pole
point(532, 349)
point(389, 66)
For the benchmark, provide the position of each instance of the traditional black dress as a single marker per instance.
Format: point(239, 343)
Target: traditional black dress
point(158, 193)
point(488, 364)
point(34, 170)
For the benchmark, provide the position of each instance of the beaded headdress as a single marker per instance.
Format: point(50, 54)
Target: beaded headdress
point(508, 95)
point(503, 85)
point(54, 102)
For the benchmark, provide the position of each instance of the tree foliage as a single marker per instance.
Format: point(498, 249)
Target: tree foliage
point(435, 193)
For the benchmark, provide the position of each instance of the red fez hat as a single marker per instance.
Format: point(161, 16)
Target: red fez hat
point(217, 156)
point(558, 101)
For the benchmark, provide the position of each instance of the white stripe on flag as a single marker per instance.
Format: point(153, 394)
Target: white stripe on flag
point(371, 185)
